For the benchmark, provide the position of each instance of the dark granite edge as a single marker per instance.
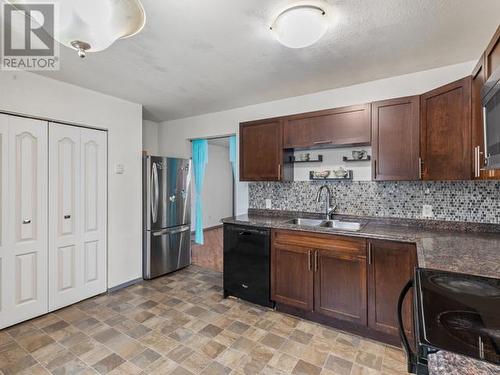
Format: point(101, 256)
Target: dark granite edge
point(430, 224)
point(362, 233)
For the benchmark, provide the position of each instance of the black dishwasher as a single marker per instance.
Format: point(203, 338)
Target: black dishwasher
point(247, 264)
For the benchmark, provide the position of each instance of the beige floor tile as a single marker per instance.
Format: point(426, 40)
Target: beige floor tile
point(283, 361)
point(305, 368)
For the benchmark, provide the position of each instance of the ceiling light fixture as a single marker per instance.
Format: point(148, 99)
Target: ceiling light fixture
point(300, 26)
point(94, 25)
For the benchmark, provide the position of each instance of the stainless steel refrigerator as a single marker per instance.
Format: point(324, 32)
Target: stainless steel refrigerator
point(166, 215)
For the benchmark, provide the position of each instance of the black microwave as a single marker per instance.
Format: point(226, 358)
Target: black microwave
point(490, 94)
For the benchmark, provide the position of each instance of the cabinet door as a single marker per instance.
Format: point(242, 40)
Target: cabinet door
point(77, 214)
point(297, 132)
point(340, 285)
point(24, 230)
point(342, 126)
point(391, 265)
point(478, 163)
point(446, 132)
point(292, 276)
point(333, 127)
point(395, 142)
point(261, 151)
point(492, 54)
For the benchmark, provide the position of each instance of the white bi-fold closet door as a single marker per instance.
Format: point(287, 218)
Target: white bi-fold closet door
point(52, 216)
point(77, 214)
point(23, 219)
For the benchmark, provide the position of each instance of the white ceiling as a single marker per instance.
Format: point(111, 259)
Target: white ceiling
point(196, 57)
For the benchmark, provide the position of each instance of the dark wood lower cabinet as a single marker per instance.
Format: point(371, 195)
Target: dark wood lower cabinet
point(292, 276)
point(340, 285)
point(390, 266)
point(337, 281)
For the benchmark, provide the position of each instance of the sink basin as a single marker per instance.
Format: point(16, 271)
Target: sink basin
point(305, 222)
point(331, 224)
point(338, 224)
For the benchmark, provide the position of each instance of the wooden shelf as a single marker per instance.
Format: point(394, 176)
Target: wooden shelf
point(347, 177)
point(345, 158)
point(294, 161)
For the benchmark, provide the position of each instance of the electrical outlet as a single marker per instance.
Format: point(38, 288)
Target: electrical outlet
point(268, 204)
point(427, 211)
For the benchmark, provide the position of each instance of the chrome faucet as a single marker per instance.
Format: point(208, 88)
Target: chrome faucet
point(329, 209)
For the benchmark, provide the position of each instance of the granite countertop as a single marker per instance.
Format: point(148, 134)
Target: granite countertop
point(444, 362)
point(455, 247)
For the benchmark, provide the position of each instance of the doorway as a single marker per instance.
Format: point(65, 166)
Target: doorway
point(218, 203)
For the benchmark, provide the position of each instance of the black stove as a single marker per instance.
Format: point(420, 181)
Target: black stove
point(455, 312)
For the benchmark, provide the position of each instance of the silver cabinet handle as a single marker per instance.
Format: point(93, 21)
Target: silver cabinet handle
point(27, 221)
point(420, 163)
point(325, 142)
point(316, 261)
point(309, 263)
point(369, 253)
point(477, 161)
point(67, 216)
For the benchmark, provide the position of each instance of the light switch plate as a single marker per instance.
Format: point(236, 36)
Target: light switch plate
point(268, 204)
point(119, 169)
point(427, 211)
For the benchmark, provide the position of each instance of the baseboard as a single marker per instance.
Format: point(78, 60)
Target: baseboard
point(124, 285)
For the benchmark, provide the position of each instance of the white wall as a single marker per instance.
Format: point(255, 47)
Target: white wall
point(217, 192)
point(174, 134)
point(34, 95)
point(150, 141)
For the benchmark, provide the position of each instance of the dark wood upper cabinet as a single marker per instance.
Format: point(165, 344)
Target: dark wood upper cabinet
point(445, 145)
point(292, 275)
point(329, 128)
point(492, 54)
point(390, 266)
point(261, 150)
point(340, 282)
point(395, 139)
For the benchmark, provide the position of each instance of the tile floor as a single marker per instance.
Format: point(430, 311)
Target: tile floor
point(179, 324)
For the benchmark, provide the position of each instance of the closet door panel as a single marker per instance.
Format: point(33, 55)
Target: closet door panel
point(93, 226)
point(4, 281)
point(24, 255)
point(65, 253)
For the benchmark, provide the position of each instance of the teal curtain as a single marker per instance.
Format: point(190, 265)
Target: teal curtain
point(232, 153)
point(200, 160)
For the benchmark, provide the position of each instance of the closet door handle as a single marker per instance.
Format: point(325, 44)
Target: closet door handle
point(67, 216)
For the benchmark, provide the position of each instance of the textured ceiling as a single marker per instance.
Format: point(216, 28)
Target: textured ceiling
point(195, 56)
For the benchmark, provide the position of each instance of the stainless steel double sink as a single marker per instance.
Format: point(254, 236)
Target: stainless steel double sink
point(332, 224)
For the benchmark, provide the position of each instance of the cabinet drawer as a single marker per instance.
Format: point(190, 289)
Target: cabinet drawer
point(339, 244)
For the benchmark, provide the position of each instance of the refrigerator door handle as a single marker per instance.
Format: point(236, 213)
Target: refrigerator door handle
point(155, 193)
point(164, 232)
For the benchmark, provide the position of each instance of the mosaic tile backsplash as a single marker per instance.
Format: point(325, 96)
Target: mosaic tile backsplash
point(470, 201)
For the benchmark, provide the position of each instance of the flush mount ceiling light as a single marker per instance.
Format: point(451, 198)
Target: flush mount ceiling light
point(94, 25)
point(300, 26)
